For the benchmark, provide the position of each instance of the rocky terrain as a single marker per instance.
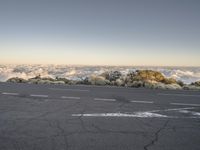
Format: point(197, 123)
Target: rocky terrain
point(139, 78)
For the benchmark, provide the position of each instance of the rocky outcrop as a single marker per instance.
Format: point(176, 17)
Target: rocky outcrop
point(148, 75)
point(151, 79)
point(140, 78)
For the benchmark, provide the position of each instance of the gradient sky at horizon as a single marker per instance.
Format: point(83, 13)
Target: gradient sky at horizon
point(100, 32)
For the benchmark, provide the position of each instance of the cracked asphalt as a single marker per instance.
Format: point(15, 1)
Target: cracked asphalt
point(40, 117)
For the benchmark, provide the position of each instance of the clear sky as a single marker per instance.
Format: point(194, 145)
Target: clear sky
point(100, 32)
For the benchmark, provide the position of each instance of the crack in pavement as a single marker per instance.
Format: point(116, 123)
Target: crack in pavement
point(108, 131)
point(81, 119)
point(156, 134)
point(42, 115)
point(62, 131)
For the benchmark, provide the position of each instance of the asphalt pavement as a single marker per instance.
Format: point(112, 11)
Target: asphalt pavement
point(81, 117)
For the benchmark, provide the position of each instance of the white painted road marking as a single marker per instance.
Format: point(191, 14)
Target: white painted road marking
point(6, 93)
point(148, 102)
point(192, 112)
point(145, 114)
point(34, 95)
point(195, 113)
point(78, 90)
point(65, 97)
point(104, 99)
point(172, 109)
point(184, 104)
point(167, 94)
point(135, 115)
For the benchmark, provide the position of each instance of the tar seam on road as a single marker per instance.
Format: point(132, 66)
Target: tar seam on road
point(65, 97)
point(58, 89)
point(104, 99)
point(34, 95)
point(167, 94)
point(5, 93)
point(184, 104)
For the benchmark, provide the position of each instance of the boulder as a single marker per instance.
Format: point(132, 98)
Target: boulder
point(135, 84)
point(47, 80)
point(73, 82)
point(197, 83)
point(150, 84)
point(58, 82)
point(180, 83)
point(130, 77)
point(44, 82)
point(105, 75)
point(37, 77)
point(169, 81)
point(98, 80)
point(159, 85)
point(112, 75)
point(85, 81)
point(145, 75)
point(191, 87)
point(16, 80)
point(66, 81)
point(33, 81)
point(119, 82)
point(173, 86)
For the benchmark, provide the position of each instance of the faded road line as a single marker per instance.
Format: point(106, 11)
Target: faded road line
point(65, 97)
point(167, 94)
point(148, 102)
point(172, 109)
point(59, 89)
point(145, 114)
point(104, 99)
point(44, 96)
point(184, 104)
point(6, 93)
point(134, 115)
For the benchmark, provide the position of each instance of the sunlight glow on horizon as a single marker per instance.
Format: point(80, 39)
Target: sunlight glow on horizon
point(130, 33)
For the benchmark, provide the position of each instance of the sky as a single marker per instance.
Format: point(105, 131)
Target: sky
point(100, 32)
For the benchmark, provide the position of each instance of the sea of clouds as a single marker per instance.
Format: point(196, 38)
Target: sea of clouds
point(185, 74)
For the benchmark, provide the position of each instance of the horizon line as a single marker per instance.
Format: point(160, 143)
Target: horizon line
point(98, 65)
